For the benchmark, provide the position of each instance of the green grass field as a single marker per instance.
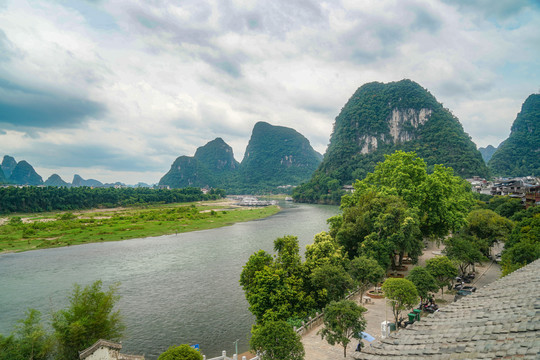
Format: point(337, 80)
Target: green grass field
point(55, 229)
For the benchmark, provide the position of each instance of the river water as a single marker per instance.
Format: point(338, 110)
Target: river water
point(174, 289)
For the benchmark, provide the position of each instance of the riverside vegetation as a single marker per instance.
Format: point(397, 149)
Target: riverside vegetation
point(56, 229)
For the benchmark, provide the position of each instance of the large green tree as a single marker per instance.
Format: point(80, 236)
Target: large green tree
point(276, 340)
point(330, 283)
point(443, 270)
point(523, 244)
point(343, 321)
point(441, 199)
point(29, 341)
point(423, 281)
point(366, 272)
point(182, 352)
point(465, 250)
point(89, 317)
point(402, 295)
point(488, 227)
point(277, 289)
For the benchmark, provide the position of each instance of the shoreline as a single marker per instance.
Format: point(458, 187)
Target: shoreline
point(59, 229)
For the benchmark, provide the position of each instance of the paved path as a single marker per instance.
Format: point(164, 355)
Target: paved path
point(317, 349)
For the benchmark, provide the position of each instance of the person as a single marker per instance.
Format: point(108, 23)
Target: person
point(359, 346)
point(431, 300)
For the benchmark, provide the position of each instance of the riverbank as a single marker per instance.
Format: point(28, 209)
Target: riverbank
point(57, 229)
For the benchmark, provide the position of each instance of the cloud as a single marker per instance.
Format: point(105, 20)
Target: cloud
point(25, 107)
point(124, 86)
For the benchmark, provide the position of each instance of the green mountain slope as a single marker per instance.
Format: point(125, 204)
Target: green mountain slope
point(487, 152)
point(8, 164)
point(187, 171)
point(519, 155)
point(55, 180)
point(3, 178)
point(24, 174)
point(380, 119)
point(277, 155)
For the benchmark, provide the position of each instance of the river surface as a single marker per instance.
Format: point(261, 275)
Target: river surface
point(174, 289)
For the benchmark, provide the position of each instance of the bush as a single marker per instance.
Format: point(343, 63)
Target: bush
point(182, 352)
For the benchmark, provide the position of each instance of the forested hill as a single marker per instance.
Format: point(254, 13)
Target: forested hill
point(380, 119)
point(519, 155)
point(275, 156)
point(278, 155)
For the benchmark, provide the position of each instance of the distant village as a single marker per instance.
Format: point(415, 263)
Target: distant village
point(525, 188)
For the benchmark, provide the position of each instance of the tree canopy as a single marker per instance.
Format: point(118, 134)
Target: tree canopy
point(343, 320)
point(89, 317)
point(442, 269)
point(276, 340)
point(423, 281)
point(402, 295)
point(182, 352)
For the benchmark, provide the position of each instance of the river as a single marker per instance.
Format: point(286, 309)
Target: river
point(174, 289)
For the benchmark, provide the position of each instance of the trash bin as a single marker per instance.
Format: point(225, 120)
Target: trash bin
point(392, 327)
point(417, 312)
point(412, 317)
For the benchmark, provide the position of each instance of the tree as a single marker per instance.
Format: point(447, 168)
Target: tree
point(88, 318)
point(330, 283)
point(465, 250)
point(441, 199)
point(182, 352)
point(423, 281)
point(488, 227)
point(523, 245)
point(443, 270)
point(343, 321)
point(402, 295)
point(366, 272)
point(28, 341)
point(276, 340)
point(324, 250)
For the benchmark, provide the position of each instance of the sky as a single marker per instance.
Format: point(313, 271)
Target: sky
point(116, 90)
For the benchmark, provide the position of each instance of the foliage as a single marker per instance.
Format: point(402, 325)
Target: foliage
point(380, 226)
point(504, 205)
point(365, 120)
point(402, 295)
point(443, 270)
point(38, 199)
point(276, 289)
point(423, 281)
point(523, 244)
point(89, 317)
point(343, 321)
point(488, 227)
point(325, 250)
point(441, 199)
point(465, 249)
point(182, 352)
point(517, 155)
point(276, 340)
point(366, 272)
point(28, 341)
point(330, 283)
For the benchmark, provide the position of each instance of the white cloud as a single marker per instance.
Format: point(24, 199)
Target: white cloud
point(150, 81)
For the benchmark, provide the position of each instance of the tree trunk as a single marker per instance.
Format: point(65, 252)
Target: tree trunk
point(344, 350)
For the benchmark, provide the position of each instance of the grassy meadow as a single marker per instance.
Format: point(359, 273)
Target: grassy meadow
point(45, 230)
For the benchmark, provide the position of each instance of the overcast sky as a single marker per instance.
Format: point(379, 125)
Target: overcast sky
point(116, 90)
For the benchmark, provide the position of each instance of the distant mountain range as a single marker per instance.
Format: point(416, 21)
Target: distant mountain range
point(380, 119)
point(275, 156)
point(377, 120)
point(22, 173)
point(487, 152)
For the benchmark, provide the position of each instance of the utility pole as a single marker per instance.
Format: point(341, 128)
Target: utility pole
point(236, 346)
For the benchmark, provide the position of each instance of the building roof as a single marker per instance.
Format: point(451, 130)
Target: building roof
point(499, 321)
point(100, 343)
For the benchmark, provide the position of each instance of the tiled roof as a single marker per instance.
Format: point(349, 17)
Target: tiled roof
point(499, 321)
